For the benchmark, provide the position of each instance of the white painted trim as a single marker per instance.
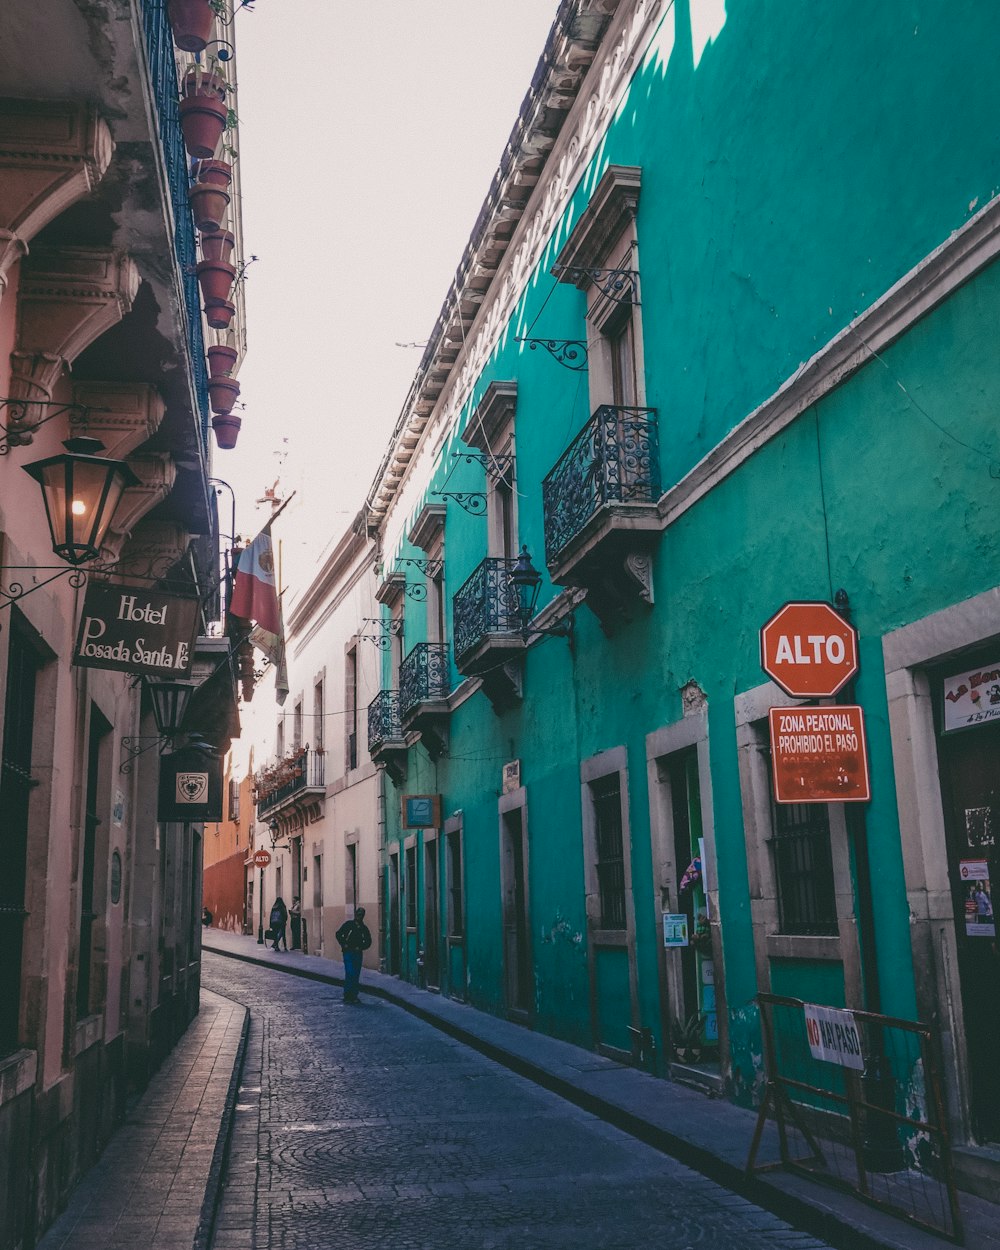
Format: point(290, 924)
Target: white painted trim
point(964, 254)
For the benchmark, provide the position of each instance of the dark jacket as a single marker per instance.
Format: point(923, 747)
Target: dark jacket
point(279, 913)
point(354, 935)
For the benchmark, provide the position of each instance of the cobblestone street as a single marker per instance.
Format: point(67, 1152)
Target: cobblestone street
point(363, 1127)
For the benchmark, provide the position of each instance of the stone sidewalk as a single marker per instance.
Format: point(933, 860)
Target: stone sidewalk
point(710, 1135)
point(156, 1183)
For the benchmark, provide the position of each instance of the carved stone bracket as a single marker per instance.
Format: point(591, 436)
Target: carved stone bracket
point(156, 473)
point(616, 587)
point(67, 298)
point(52, 153)
point(503, 685)
point(123, 415)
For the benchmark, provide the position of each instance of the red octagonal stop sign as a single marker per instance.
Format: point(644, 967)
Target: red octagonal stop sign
point(262, 858)
point(809, 650)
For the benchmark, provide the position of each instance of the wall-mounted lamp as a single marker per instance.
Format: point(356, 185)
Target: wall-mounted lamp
point(274, 829)
point(527, 581)
point(170, 701)
point(81, 491)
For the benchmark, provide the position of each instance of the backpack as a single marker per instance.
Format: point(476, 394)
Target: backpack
point(276, 917)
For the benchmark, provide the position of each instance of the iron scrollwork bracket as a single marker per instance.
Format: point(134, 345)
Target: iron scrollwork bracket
point(570, 353)
point(17, 590)
point(473, 501)
point(382, 641)
point(430, 568)
point(498, 465)
point(22, 424)
point(132, 749)
point(620, 285)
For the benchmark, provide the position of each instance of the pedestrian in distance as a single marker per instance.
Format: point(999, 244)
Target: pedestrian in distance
point(206, 917)
point(354, 937)
point(295, 919)
point(279, 918)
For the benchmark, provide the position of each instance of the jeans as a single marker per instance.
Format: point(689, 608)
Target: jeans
point(352, 975)
point(279, 935)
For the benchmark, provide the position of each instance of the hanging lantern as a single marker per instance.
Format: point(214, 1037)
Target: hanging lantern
point(81, 491)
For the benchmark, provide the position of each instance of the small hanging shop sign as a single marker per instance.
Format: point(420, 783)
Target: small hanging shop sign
point(190, 786)
point(136, 631)
point(675, 929)
point(972, 698)
point(818, 754)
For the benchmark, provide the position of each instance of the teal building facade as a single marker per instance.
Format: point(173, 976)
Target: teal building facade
point(724, 337)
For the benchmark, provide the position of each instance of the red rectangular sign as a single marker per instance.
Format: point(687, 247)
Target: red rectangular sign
point(819, 755)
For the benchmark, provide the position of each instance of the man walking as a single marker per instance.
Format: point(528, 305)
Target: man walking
point(354, 937)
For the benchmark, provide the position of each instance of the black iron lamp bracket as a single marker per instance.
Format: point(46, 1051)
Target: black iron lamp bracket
point(391, 625)
point(138, 745)
point(570, 353)
point(498, 465)
point(619, 285)
point(22, 422)
point(12, 591)
point(430, 568)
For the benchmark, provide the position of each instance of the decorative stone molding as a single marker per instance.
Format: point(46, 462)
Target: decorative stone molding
point(612, 208)
point(156, 473)
point(52, 153)
point(123, 415)
point(491, 417)
point(67, 298)
point(429, 527)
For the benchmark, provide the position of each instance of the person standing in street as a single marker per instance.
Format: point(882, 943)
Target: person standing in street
point(295, 920)
point(354, 937)
point(279, 918)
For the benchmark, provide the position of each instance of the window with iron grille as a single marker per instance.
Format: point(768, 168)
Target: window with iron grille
point(234, 799)
point(606, 796)
point(456, 920)
point(803, 869)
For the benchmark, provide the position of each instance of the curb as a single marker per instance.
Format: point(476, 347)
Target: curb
point(820, 1222)
point(220, 1155)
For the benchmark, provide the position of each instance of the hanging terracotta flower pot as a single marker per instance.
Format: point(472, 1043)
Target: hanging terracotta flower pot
point(216, 279)
point(219, 313)
point(222, 360)
point(192, 23)
point(227, 430)
point(223, 394)
point(209, 205)
point(215, 173)
point(205, 83)
point(218, 246)
point(203, 119)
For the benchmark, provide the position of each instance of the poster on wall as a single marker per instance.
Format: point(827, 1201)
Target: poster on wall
point(675, 929)
point(972, 698)
point(979, 919)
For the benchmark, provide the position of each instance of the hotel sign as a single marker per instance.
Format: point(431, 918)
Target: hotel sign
point(136, 631)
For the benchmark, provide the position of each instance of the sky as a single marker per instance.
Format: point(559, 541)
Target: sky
point(369, 133)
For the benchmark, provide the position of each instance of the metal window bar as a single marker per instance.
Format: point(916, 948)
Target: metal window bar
point(163, 73)
point(803, 869)
point(423, 675)
point(308, 772)
point(607, 800)
point(614, 459)
point(882, 1132)
point(486, 603)
point(383, 719)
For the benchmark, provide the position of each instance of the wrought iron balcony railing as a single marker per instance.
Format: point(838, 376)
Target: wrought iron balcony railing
point(487, 603)
point(614, 459)
point(383, 719)
point(423, 675)
point(282, 780)
point(163, 72)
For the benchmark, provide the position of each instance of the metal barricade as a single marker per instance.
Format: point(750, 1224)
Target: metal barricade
point(881, 1131)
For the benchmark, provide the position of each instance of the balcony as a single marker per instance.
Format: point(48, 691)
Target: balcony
point(487, 626)
point(386, 744)
point(423, 695)
point(599, 506)
point(291, 790)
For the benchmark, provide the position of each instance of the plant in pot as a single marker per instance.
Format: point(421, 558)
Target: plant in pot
point(219, 313)
point(222, 360)
point(204, 114)
point(218, 245)
point(216, 278)
point(218, 173)
point(701, 939)
point(686, 1039)
point(192, 22)
point(209, 204)
point(223, 394)
point(227, 430)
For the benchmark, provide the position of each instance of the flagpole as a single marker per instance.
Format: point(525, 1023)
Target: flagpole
point(280, 509)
